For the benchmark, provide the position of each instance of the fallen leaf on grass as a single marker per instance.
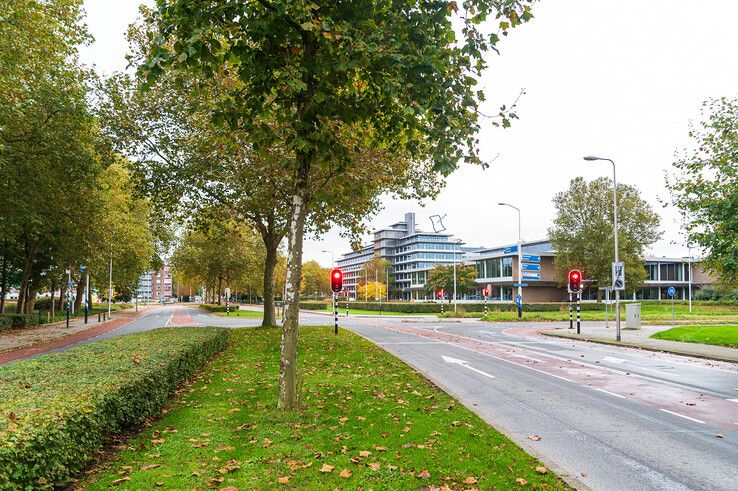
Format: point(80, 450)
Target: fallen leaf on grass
point(424, 474)
point(234, 410)
point(541, 470)
point(159, 483)
point(364, 453)
point(374, 465)
point(152, 466)
point(121, 480)
point(345, 474)
point(535, 438)
point(229, 488)
point(380, 449)
point(158, 441)
point(283, 480)
point(470, 480)
point(521, 481)
point(327, 468)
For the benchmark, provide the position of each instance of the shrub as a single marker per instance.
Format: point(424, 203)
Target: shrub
point(5, 323)
point(59, 408)
point(435, 308)
point(314, 305)
point(18, 321)
point(210, 307)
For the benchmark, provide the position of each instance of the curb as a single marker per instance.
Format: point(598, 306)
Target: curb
point(640, 346)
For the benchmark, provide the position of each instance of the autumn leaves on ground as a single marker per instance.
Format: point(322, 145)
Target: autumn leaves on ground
point(366, 421)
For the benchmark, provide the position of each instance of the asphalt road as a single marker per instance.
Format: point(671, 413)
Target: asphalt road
point(602, 417)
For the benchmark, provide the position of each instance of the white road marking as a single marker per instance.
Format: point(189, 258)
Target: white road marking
point(169, 320)
point(733, 400)
point(465, 364)
point(612, 359)
point(409, 342)
point(608, 392)
point(683, 416)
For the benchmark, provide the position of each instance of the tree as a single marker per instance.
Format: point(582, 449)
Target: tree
point(705, 188)
point(442, 277)
point(582, 232)
point(374, 290)
point(315, 279)
point(331, 78)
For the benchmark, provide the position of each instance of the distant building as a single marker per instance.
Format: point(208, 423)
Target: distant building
point(153, 286)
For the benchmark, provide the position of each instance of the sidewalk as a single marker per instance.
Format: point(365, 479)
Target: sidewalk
point(640, 338)
point(16, 344)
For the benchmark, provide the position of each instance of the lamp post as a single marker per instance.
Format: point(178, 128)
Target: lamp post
point(689, 273)
point(333, 258)
point(592, 158)
point(110, 280)
point(458, 243)
point(520, 258)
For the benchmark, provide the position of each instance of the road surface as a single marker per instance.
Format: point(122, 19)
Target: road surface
point(602, 417)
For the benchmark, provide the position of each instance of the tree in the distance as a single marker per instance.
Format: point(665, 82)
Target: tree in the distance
point(372, 291)
point(583, 237)
point(315, 279)
point(442, 277)
point(705, 188)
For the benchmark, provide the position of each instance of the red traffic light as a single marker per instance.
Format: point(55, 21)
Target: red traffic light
point(336, 280)
point(485, 292)
point(440, 293)
point(575, 281)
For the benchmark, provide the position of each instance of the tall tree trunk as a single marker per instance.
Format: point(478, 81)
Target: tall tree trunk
point(30, 302)
point(62, 295)
point(4, 278)
point(220, 288)
point(53, 291)
point(270, 264)
point(288, 396)
point(26, 276)
point(80, 293)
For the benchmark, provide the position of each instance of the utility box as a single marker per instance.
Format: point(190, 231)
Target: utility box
point(632, 316)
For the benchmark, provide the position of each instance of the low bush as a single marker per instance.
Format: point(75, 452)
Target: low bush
point(58, 409)
point(314, 305)
point(435, 308)
point(210, 307)
point(18, 321)
point(5, 323)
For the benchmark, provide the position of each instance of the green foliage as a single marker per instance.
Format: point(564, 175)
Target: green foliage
point(59, 408)
point(435, 308)
point(705, 187)
point(315, 278)
point(710, 293)
point(216, 308)
point(314, 305)
point(442, 277)
point(716, 335)
point(371, 402)
point(582, 232)
point(19, 321)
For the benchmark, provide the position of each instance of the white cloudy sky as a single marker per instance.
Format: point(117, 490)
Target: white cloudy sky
point(620, 79)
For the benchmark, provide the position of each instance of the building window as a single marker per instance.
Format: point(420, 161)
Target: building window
point(652, 272)
point(507, 266)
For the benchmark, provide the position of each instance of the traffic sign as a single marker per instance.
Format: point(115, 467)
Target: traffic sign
point(509, 250)
point(531, 258)
point(671, 291)
point(83, 269)
point(519, 300)
point(520, 284)
point(618, 276)
point(70, 283)
point(532, 277)
point(531, 267)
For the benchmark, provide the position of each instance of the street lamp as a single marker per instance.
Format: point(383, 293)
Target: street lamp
point(333, 258)
point(592, 158)
point(520, 259)
point(689, 273)
point(458, 242)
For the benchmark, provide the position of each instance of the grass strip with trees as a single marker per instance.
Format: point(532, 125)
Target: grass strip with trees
point(372, 423)
point(58, 409)
point(725, 335)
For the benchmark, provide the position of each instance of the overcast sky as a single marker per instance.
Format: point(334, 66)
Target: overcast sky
point(620, 79)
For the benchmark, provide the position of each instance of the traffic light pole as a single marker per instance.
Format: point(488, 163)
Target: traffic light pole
point(335, 313)
point(579, 312)
point(485, 305)
point(571, 314)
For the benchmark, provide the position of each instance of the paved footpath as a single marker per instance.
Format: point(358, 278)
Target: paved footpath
point(641, 338)
point(26, 343)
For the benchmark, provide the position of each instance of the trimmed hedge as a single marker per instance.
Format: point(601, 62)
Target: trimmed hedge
point(18, 321)
point(58, 409)
point(435, 308)
point(210, 307)
point(314, 305)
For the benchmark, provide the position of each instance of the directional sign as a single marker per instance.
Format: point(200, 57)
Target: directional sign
point(671, 291)
point(531, 258)
point(83, 269)
point(519, 300)
point(70, 283)
point(520, 284)
point(509, 250)
point(531, 267)
point(532, 277)
point(618, 276)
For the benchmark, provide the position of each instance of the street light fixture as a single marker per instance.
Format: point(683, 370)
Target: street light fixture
point(592, 158)
point(520, 258)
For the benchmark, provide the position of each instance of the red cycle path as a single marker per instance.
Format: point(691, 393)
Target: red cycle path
point(46, 346)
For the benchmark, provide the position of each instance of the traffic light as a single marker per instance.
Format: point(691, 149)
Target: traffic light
point(336, 280)
point(575, 281)
point(440, 294)
point(485, 292)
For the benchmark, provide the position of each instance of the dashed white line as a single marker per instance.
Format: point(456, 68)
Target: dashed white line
point(683, 416)
point(608, 392)
point(733, 400)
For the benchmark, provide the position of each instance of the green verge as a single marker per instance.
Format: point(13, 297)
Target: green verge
point(717, 335)
point(365, 415)
point(246, 314)
point(58, 409)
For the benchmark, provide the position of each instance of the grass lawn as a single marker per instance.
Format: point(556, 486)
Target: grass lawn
point(718, 335)
point(367, 421)
point(247, 314)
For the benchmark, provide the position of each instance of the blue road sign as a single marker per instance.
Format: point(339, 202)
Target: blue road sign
point(511, 249)
point(531, 267)
point(671, 291)
point(532, 277)
point(83, 269)
point(520, 284)
point(70, 283)
point(519, 300)
point(531, 258)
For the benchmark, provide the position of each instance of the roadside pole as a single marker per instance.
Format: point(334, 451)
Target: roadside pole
point(579, 312)
point(347, 302)
point(69, 293)
point(83, 269)
point(485, 302)
point(571, 314)
point(335, 313)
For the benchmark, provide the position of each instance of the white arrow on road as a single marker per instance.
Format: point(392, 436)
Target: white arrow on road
point(465, 364)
